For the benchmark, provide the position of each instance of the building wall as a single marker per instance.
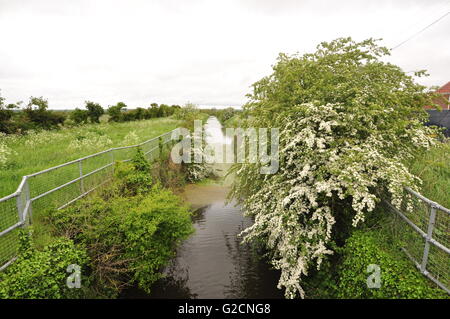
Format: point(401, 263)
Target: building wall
point(441, 119)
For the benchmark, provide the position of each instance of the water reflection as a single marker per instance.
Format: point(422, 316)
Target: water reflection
point(214, 264)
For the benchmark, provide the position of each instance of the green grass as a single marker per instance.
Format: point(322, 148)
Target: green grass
point(433, 168)
point(38, 151)
point(234, 121)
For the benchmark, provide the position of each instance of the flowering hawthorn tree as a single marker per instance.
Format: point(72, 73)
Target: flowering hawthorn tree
point(348, 122)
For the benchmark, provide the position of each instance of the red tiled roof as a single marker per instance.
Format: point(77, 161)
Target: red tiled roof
point(444, 89)
point(444, 101)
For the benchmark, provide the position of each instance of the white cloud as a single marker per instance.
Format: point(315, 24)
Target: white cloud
point(206, 52)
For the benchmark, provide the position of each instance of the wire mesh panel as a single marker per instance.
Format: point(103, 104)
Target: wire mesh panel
point(151, 149)
point(418, 213)
point(166, 138)
point(51, 179)
point(9, 215)
point(438, 259)
point(9, 239)
point(124, 153)
point(152, 154)
point(95, 171)
point(422, 227)
point(439, 265)
point(416, 210)
point(441, 230)
point(411, 241)
point(9, 247)
point(57, 198)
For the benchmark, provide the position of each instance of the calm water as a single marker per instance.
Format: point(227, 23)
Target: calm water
point(213, 263)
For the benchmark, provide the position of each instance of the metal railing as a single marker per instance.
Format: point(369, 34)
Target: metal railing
point(59, 186)
point(422, 226)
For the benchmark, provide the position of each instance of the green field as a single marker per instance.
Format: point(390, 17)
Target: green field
point(26, 154)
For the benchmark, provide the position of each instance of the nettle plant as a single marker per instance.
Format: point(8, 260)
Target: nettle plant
point(348, 122)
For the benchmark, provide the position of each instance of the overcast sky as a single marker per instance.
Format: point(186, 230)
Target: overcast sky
point(205, 52)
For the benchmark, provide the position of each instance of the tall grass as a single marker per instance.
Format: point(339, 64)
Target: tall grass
point(433, 167)
point(26, 154)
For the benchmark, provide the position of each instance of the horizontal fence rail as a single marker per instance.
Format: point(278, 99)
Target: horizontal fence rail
point(60, 186)
point(422, 226)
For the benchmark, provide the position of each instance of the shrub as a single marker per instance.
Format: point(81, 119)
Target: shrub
point(79, 116)
point(132, 178)
point(197, 171)
point(94, 111)
point(6, 116)
point(129, 239)
point(188, 113)
point(152, 231)
point(43, 274)
point(36, 113)
point(399, 279)
point(115, 112)
point(347, 122)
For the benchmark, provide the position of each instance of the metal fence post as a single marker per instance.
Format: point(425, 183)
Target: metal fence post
point(80, 167)
point(112, 162)
point(160, 143)
point(19, 205)
point(426, 250)
point(28, 204)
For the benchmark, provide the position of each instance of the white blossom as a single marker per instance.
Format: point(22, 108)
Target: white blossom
point(293, 209)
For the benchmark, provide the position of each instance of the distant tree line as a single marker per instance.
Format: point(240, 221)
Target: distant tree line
point(16, 118)
point(120, 113)
point(35, 115)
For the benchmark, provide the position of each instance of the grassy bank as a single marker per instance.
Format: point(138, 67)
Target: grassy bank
point(235, 121)
point(31, 153)
point(433, 167)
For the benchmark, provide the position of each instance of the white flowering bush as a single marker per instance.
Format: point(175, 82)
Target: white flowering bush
point(197, 171)
point(347, 122)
